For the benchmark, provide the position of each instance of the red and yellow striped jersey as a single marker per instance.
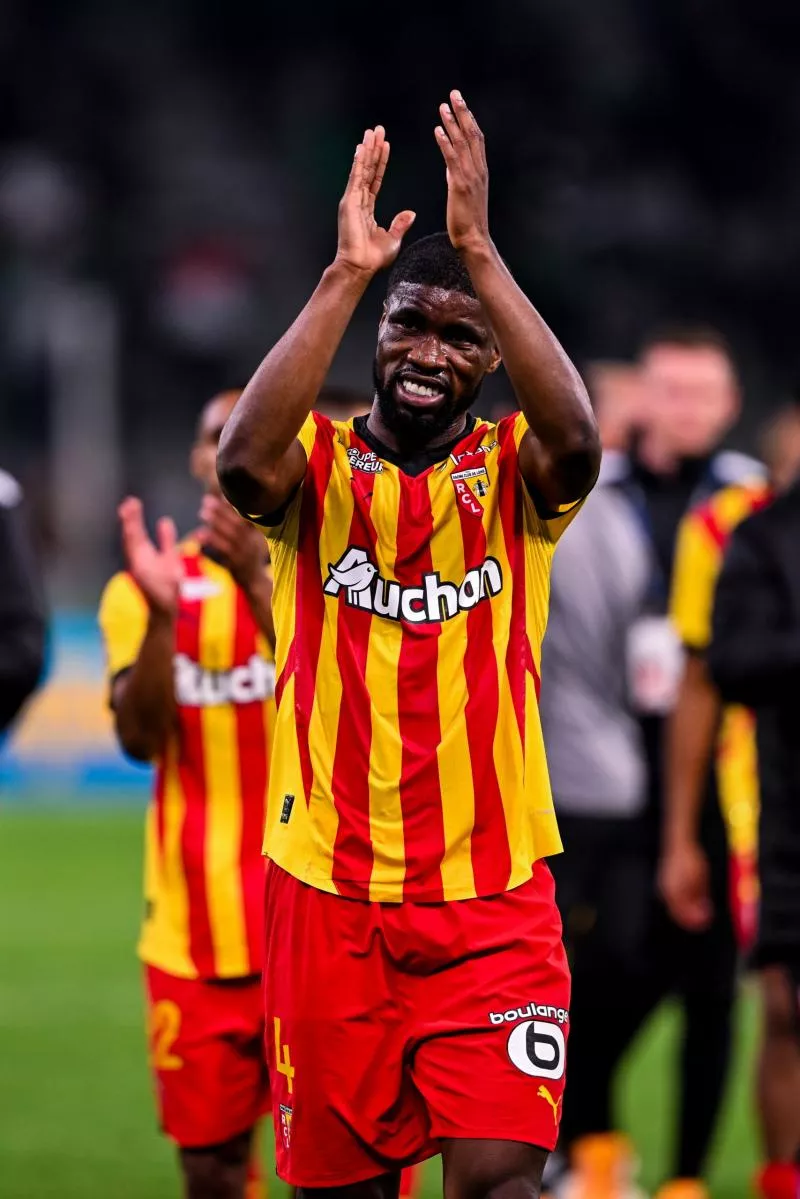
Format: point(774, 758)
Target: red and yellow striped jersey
point(702, 539)
point(204, 872)
point(409, 614)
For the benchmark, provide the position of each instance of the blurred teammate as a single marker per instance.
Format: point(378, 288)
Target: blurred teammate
point(411, 552)
point(612, 664)
point(754, 659)
point(22, 611)
point(188, 635)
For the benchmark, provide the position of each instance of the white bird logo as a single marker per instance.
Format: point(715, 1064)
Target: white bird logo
point(358, 578)
point(353, 572)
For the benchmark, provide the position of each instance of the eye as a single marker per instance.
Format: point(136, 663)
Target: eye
point(408, 321)
point(463, 338)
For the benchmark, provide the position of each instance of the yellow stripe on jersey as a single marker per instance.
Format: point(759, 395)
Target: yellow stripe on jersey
point(223, 791)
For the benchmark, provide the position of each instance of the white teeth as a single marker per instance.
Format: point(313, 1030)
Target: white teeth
point(417, 389)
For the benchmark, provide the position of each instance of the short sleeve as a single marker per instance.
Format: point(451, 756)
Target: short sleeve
point(307, 437)
point(123, 623)
point(698, 560)
point(552, 523)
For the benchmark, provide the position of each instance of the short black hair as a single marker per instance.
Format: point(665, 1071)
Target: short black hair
point(688, 336)
point(432, 261)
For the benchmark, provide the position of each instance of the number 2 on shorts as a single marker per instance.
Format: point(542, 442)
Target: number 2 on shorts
point(165, 1024)
point(283, 1063)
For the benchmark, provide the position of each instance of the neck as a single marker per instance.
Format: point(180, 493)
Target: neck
point(414, 443)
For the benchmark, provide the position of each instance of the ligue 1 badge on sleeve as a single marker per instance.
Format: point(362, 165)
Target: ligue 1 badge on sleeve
point(286, 1124)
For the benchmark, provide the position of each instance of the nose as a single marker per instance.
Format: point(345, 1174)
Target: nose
point(428, 352)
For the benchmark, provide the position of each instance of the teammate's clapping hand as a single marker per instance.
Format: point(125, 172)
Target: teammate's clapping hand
point(235, 541)
point(363, 244)
point(156, 569)
point(462, 144)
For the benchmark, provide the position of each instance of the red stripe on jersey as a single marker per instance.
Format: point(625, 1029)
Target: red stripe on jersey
point(191, 774)
point(352, 850)
point(310, 600)
point(709, 522)
point(286, 673)
point(251, 736)
point(418, 698)
point(519, 658)
point(491, 855)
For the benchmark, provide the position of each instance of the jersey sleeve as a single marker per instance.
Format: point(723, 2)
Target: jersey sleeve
point(698, 560)
point(123, 623)
point(272, 521)
point(552, 522)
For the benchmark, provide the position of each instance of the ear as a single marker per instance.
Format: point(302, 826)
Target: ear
point(494, 361)
point(194, 464)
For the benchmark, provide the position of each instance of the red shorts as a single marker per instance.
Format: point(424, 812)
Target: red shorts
point(392, 1026)
point(206, 1042)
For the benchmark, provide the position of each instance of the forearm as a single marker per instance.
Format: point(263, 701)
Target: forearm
point(549, 389)
point(691, 735)
point(280, 395)
point(259, 599)
point(144, 698)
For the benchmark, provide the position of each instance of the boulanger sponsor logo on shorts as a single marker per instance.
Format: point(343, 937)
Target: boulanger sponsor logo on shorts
point(530, 1010)
point(536, 1043)
point(432, 602)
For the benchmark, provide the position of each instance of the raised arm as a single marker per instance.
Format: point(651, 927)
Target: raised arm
point(260, 461)
point(560, 455)
point(143, 696)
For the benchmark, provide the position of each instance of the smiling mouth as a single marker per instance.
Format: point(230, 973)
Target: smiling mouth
point(418, 394)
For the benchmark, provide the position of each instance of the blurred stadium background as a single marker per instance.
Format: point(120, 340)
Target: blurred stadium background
point(168, 187)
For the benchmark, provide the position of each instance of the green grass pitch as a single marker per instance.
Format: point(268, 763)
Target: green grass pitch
point(76, 1117)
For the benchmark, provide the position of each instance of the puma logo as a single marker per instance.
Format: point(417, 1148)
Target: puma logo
point(555, 1104)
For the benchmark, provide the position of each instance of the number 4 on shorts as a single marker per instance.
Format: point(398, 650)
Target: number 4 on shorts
point(283, 1062)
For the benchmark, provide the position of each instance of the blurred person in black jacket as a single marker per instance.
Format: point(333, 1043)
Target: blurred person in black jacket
point(627, 954)
point(754, 660)
point(22, 610)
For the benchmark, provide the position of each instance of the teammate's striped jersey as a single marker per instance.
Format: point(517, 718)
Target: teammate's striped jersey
point(702, 540)
point(204, 872)
point(409, 613)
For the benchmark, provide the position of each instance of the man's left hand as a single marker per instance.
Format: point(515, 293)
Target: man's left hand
point(238, 543)
point(461, 142)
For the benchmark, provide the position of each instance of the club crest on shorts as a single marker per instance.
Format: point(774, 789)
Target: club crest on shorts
point(286, 1124)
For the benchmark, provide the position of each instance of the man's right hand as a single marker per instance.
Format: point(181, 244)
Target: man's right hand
point(157, 570)
point(363, 245)
point(683, 881)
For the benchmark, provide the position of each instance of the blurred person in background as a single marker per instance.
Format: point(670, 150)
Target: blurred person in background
point(754, 660)
point(616, 391)
point(714, 746)
point(189, 643)
point(611, 668)
point(342, 403)
point(23, 621)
